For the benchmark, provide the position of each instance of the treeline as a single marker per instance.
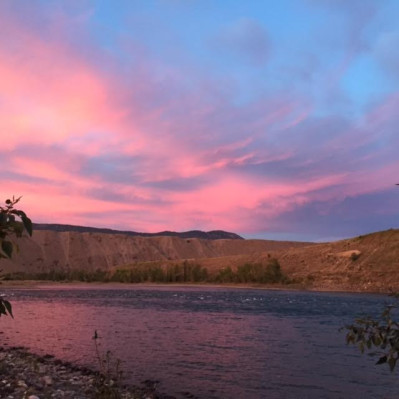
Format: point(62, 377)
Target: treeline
point(60, 275)
point(185, 272)
point(178, 273)
point(269, 273)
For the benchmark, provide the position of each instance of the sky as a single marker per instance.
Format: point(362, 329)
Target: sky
point(271, 119)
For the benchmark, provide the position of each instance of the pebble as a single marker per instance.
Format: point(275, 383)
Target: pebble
point(47, 380)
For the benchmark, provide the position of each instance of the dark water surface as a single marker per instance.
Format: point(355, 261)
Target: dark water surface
point(212, 342)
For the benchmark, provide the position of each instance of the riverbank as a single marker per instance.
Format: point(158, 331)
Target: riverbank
point(46, 284)
point(30, 376)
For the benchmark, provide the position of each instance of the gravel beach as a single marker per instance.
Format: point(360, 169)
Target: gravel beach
point(24, 375)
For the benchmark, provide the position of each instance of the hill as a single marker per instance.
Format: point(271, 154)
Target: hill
point(206, 235)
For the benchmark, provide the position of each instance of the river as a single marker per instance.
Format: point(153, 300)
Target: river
point(210, 342)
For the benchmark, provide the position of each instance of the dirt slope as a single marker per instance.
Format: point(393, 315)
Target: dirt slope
point(364, 263)
point(48, 250)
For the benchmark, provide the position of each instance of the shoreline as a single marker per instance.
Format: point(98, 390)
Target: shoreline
point(28, 375)
point(46, 284)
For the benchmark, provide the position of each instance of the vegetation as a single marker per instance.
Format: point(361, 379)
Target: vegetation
point(180, 273)
point(13, 223)
point(380, 336)
point(184, 272)
point(175, 273)
point(109, 379)
point(262, 273)
point(60, 275)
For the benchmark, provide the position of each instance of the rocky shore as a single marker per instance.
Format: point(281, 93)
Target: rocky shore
point(24, 375)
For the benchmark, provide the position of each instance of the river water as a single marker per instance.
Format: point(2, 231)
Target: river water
point(210, 342)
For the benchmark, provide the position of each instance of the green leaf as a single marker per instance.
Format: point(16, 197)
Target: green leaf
point(3, 218)
point(27, 223)
point(8, 307)
point(382, 360)
point(7, 248)
point(18, 228)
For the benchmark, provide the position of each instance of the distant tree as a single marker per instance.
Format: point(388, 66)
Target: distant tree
point(13, 223)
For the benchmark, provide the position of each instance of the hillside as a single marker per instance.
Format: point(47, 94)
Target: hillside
point(50, 250)
point(368, 263)
point(365, 263)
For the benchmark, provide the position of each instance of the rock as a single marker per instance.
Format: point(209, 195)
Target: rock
point(33, 397)
point(47, 380)
point(22, 383)
point(349, 254)
point(42, 369)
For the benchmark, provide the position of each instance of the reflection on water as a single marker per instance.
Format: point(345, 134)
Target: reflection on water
point(214, 343)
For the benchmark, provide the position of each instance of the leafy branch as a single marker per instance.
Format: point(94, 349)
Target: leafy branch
point(13, 222)
point(382, 334)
